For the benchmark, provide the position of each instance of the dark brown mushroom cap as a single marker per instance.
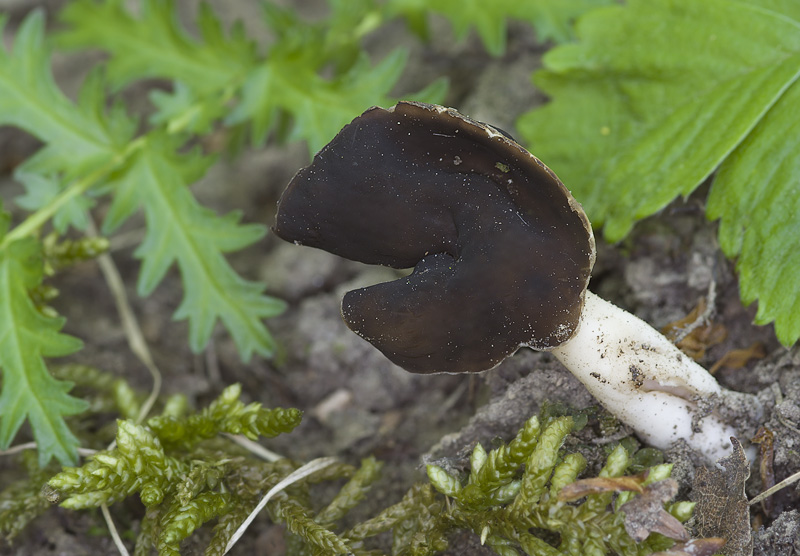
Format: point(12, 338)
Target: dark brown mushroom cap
point(502, 252)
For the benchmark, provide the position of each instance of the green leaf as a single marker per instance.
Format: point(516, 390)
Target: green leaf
point(655, 96)
point(289, 80)
point(78, 139)
point(26, 338)
point(552, 19)
point(215, 71)
point(443, 481)
point(81, 138)
point(41, 190)
point(756, 197)
point(181, 231)
point(155, 45)
point(207, 70)
point(30, 100)
point(334, 39)
point(352, 493)
point(320, 107)
point(488, 18)
point(182, 110)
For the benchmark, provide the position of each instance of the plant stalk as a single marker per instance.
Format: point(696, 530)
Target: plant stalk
point(35, 221)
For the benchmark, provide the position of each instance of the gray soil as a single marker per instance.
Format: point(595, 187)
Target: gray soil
point(357, 403)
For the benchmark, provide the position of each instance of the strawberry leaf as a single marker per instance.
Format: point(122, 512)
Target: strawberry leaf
point(755, 196)
point(658, 94)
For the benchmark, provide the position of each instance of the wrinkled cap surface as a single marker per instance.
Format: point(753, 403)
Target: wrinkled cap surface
point(501, 251)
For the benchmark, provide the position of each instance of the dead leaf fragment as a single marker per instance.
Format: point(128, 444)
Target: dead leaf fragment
point(738, 358)
point(595, 485)
point(722, 507)
point(702, 336)
point(645, 514)
point(764, 438)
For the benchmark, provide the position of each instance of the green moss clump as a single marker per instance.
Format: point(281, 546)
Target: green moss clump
point(225, 414)
point(183, 473)
point(186, 475)
point(514, 489)
point(24, 500)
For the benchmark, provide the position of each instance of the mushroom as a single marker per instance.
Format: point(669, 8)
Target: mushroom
point(502, 254)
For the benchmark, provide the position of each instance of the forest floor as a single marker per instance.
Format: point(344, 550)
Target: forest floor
point(356, 403)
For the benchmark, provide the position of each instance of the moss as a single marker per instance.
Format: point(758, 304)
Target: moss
point(186, 475)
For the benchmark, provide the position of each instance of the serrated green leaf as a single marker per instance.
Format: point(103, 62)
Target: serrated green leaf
point(552, 19)
point(655, 96)
point(320, 107)
point(41, 190)
point(155, 45)
point(215, 69)
point(755, 196)
point(332, 104)
point(488, 18)
point(82, 138)
point(78, 139)
point(30, 100)
point(181, 231)
point(333, 40)
point(182, 110)
point(26, 338)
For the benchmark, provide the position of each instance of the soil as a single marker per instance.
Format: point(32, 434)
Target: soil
point(357, 403)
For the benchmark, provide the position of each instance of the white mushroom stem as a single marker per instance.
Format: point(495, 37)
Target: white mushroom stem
point(643, 379)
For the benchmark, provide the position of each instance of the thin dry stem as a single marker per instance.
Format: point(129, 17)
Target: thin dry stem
point(113, 530)
point(704, 317)
point(138, 346)
point(253, 447)
point(775, 488)
point(130, 325)
point(33, 446)
point(299, 474)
